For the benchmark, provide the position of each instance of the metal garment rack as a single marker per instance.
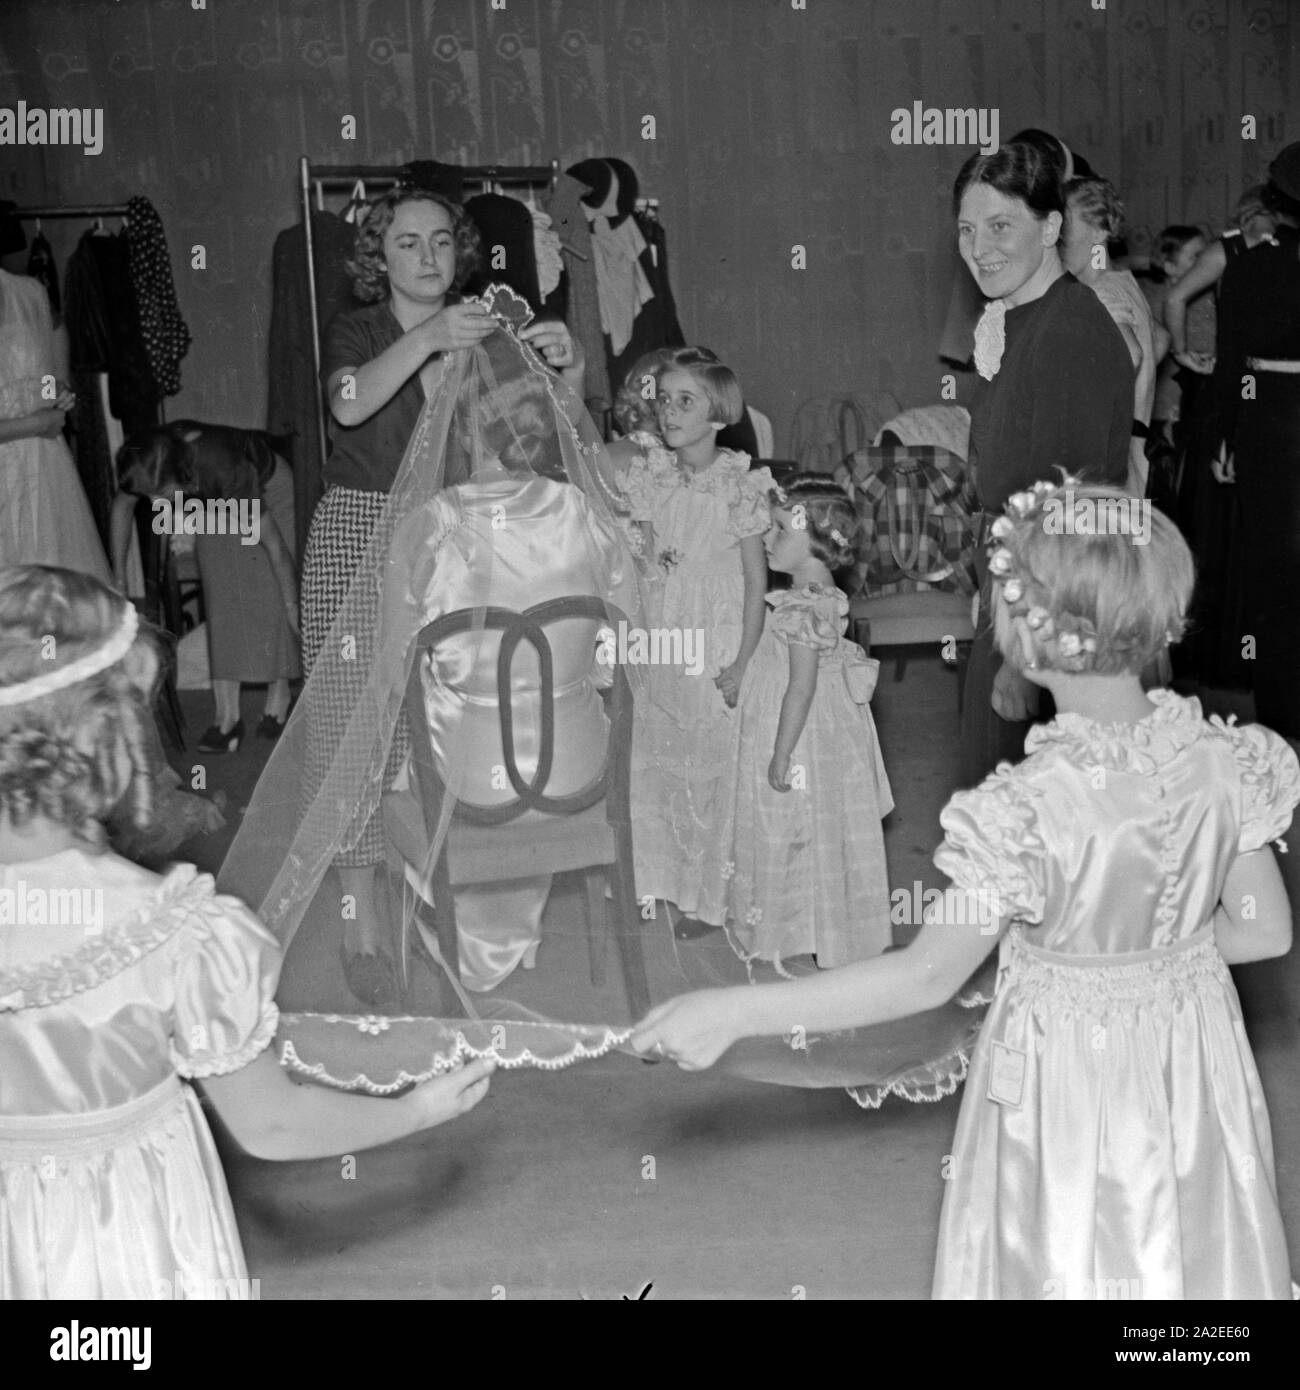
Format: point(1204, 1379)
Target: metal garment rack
point(319, 177)
point(79, 210)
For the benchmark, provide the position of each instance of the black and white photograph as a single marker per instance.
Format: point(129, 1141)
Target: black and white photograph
point(649, 651)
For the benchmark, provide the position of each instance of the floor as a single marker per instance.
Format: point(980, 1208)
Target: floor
point(614, 1179)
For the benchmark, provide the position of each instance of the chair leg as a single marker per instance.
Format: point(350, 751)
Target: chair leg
point(594, 884)
point(627, 925)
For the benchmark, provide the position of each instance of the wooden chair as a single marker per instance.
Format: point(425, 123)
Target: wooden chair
point(924, 617)
point(590, 829)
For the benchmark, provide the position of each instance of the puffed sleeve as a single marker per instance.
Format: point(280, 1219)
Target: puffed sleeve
point(1270, 784)
point(807, 620)
point(992, 846)
point(748, 509)
point(228, 966)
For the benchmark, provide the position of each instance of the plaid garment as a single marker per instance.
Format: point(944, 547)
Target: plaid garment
point(919, 525)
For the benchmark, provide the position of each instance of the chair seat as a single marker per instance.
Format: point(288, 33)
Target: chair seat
point(477, 853)
point(928, 615)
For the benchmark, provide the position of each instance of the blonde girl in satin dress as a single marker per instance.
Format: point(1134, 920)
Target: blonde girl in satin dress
point(1113, 1140)
point(117, 986)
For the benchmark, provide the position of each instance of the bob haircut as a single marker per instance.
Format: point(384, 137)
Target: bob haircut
point(726, 404)
point(59, 755)
point(367, 268)
point(1019, 171)
point(1134, 595)
point(826, 508)
point(633, 410)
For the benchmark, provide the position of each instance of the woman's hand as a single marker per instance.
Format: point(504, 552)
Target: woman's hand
point(453, 1094)
point(1223, 466)
point(1015, 699)
point(693, 1030)
point(728, 681)
point(1202, 363)
point(778, 772)
point(457, 326)
point(552, 339)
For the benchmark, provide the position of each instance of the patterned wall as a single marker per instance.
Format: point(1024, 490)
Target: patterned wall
point(772, 130)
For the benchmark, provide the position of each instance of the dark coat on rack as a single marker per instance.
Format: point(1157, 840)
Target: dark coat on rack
point(505, 223)
point(293, 402)
point(656, 326)
point(582, 306)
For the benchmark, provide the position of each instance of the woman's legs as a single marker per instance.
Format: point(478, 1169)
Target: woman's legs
point(277, 700)
point(360, 909)
point(226, 695)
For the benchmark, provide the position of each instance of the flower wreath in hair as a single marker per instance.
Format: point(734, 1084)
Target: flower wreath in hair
point(799, 514)
point(1074, 637)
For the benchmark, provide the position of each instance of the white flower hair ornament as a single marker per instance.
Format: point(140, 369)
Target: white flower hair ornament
point(1074, 638)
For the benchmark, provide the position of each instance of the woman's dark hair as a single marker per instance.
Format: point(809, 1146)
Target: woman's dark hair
point(1018, 170)
point(1279, 203)
point(367, 267)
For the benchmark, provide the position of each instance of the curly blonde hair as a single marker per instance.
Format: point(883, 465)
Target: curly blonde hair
point(368, 269)
point(1100, 598)
point(60, 756)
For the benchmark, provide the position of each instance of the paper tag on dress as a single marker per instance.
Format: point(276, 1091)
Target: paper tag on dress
point(1006, 1074)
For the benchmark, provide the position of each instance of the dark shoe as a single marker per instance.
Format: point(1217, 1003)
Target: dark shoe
point(690, 929)
point(271, 727)
point(371, 978)
point(214, 741)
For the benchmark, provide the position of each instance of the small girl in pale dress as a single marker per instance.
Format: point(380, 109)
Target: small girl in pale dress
point(1113, 1140)
point(116, 983)
point(798, 860)
point(707, 513)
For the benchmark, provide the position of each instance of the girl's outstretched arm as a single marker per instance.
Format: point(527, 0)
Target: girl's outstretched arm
point(273, 1117)
point(753, 560)
point(694, 1030)
point(1253, 921)
point(794, 714)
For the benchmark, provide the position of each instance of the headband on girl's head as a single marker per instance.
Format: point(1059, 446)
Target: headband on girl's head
point(81, 669)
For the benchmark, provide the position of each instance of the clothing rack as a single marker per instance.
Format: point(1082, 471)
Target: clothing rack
point(319, 177)
point(79, 210)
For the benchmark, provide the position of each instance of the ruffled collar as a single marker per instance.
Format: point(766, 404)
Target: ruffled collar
point(1174, 724)
point(665, 467)
point(107, 953)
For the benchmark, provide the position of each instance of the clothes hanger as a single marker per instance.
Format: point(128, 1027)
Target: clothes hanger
point(356, 202)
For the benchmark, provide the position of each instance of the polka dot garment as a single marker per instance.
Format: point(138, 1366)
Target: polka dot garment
point(166, 338)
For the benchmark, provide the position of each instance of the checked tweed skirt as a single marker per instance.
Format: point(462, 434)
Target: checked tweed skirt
point(341, 528)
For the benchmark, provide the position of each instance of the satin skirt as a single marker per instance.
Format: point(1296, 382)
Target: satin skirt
point(128, 1202)
point(1129, 1154)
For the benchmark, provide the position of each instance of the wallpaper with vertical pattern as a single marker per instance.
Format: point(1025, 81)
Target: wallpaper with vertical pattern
point(771, 130)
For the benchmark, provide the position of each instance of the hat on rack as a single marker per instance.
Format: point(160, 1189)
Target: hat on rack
point(599, 176)
point(12, 237)
point(1284, 172)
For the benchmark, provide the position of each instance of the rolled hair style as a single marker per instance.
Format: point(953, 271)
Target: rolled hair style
point(830, 518)
point(1130, 598)
point(59, 754)
point(367, 268)
point(1018, 170)
point(1097, 203)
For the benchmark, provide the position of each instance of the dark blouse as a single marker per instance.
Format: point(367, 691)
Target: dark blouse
point(367, 456)
point(1259, 316)
point(1063, 397)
